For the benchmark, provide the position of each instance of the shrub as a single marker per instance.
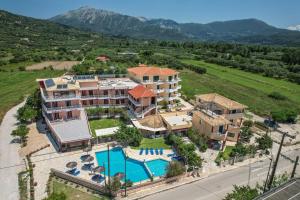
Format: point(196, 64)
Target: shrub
point(277, 96)
point(21, 68)
point(129, 135)
point(57, 196)
point(265, 142)
point(284, 116)
point(175, 168)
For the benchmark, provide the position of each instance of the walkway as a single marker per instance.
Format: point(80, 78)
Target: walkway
point(10, 161)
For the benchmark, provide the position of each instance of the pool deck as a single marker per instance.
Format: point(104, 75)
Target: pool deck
point(135, 154)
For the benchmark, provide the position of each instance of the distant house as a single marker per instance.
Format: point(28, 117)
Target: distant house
point(102, 58)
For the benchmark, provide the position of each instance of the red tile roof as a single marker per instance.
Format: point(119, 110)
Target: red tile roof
point(151, 71)
point(141, 91)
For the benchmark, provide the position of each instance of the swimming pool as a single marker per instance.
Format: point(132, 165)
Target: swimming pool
point(136, 170)
point(158, 167)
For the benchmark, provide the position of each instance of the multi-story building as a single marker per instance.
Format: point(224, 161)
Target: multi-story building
point(163, 82)
point(64, 99)
point(218, 117)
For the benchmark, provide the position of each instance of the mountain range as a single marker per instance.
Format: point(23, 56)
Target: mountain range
point(112, 23)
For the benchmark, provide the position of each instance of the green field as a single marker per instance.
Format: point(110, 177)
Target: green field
point(245, 87)
point(73, 193)
point(103, 123)
point(153, 143)
point(16, 85)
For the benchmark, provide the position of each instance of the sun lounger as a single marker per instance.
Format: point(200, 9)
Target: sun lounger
point(156, 151)
point(151, 151)
point(73, 172)
point(147, 151)
point(161, 152)
point(141, 151)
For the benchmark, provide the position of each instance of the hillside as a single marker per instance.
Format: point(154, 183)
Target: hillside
point(20, 31)
point(246, 30)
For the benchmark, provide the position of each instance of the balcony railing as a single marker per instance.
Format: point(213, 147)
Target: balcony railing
point(142, 113)
point(160, 90)
point(160, 99)
point(49, 109)
point(136, 103)
point(95, 97)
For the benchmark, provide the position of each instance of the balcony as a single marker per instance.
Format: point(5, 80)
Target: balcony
point(142, 113)
point(121, 96)
point(62, 108)
point(60, 98)
point(160, 99)
point(160, 91)
point(234, 116)
point(105, 106)
point(95, 97)
point(136, 103)
point(173, 81)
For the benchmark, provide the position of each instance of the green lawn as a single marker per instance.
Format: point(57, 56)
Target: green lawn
point(73, 193)
point(16, 85)
point(103, 123)
point(153, 143)
point(226, 152)
point(245, 87)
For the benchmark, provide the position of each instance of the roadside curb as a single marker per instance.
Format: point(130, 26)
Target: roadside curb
point(203, 177)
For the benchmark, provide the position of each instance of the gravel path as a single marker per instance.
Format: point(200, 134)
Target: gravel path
point(10, 161)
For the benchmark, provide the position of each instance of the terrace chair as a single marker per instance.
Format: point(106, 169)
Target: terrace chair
point(156, 151)
point(98, 178)
point(161, 151)
point(147, 151)
point(87, 166)
point(151, 151)
point(141, 151)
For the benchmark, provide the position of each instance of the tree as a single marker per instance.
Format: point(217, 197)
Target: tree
point(246, 134)
point(57, 196)
point(115, 184)
point(26, 114)
point(242, 193)
point(284, 116)
point(265, 142)
point(21, 132)
point(239, 150)
point(175, 168)
point(128, 135)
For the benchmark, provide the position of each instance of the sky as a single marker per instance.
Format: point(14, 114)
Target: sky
point(280, 13)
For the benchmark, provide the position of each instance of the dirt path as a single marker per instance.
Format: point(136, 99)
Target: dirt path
point(10, 161)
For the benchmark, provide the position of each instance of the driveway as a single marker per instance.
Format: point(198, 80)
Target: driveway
point(10, 161)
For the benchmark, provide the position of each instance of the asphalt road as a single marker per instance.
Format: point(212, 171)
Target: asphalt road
point(217, 186)
point(10, 161)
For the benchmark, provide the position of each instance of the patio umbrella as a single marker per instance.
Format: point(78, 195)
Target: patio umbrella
point(98, 169)
point(89, 159)
point(71, 165)
point(120, 175)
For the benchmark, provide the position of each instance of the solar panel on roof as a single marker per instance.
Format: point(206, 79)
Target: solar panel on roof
point(62, 86)
point(49, 83)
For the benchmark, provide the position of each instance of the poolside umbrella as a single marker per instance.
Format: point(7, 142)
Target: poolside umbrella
point(88, 159)
point(120, 175)
point(98, 169)
point(71, 165)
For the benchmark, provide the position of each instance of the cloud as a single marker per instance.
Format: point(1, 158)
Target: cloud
point(294, 28)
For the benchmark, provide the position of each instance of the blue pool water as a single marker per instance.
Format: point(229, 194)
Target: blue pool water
point(157, 167)
point(136, 171)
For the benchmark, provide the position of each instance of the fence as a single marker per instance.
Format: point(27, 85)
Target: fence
point(86, 183)
point(236, 159)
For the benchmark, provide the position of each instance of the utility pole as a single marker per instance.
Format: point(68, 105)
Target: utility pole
point(108, 170)
point(276, 162)
point(125, 176)
point(295, 166)
point(266, 182)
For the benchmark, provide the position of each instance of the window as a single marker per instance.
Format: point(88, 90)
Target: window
point(233, 111)
point(68, 103)
point(158, 87)
point(155, 78)
point(91, 92)
point(69, 114)
point(145, 78)
point(91, 102)
point(221, 129)
point(170, 78)
point(105, 92)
